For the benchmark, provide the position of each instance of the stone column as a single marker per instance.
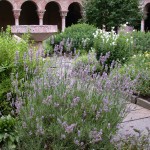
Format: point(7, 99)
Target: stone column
point(63, 15)
point(82, 13)
point(142, 25)
point(41, 15)
point(16, 16)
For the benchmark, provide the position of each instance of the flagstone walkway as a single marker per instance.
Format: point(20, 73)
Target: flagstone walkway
point(138, 118)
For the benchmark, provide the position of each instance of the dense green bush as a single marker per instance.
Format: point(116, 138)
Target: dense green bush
point(112, 13)
point(119, 45)
point(79, 36)
point(9, 46)
point(8, 133)
point(85, 60)
point(141, 41)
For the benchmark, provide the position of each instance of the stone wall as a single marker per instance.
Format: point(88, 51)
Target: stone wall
point(60, 17)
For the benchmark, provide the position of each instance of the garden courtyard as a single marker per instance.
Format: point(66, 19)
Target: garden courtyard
point(71, 82)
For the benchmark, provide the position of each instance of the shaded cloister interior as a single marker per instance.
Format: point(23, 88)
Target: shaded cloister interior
point(52, 15)
point(6, 14)
point(74, 14)
point(147, 20)
point(29, 14)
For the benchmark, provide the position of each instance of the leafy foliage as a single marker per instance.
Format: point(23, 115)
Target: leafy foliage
point(139, 65)
point(8, 48)
point(111, 13)
point(79, 37)
point(8, 133)
point(83, 61)
point(141, 41)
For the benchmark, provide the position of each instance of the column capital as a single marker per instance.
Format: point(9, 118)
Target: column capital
point(16, 13)
point(63, 14)
point(41, 13)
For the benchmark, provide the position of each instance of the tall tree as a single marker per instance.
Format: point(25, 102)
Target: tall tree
point(112, 13)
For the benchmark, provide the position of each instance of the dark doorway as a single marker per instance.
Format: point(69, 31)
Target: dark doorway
point(6, 15)
point(52, 15)
point(29, 14)
point(74, 14)
point(147, 21)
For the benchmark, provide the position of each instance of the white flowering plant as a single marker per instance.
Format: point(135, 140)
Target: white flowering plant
point(119, 45)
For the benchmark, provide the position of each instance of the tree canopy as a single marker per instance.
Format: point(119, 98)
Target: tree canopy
point(112, 13)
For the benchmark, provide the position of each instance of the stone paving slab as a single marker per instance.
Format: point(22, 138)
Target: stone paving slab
point(133, 107)
point(137, 113)
point(138, 118)
point(128, 127)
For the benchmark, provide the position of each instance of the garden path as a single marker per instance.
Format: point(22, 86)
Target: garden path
point(138, 118)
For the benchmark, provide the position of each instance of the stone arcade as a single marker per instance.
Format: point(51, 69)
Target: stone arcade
point(48, 16)
point(40, 17)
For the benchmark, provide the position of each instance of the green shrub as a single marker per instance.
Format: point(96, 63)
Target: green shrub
point(119, 45)
point(85, 60)
point(139, 65)
point(79, 36)
point(8, 48)
point(141, 41)
point(8, 133)
point(48, 48)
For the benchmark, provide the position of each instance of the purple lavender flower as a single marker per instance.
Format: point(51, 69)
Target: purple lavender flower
point(18, 105)
point(77, 142)
point(9, 96)
point(17, 58)
point(75, 102)
point(96, 136)
point(79, 133)
point(68, 128)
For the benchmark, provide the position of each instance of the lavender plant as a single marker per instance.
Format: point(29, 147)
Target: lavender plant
point(82, 61)
point(64, 109)
point(139, 64)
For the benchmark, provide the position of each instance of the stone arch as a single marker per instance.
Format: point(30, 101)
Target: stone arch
point(52, 14)
point(147, 14)
point(21, 2)
point(12, 2)
point(77, 2)
point(6, 14)
point(74, 13)
point(44, 4)
point(29, 15)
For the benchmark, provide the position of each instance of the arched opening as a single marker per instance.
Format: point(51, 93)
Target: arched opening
point(52, 15)
point(29, 14)
point(74, 14)
point(6, 15)
point(147, 21)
